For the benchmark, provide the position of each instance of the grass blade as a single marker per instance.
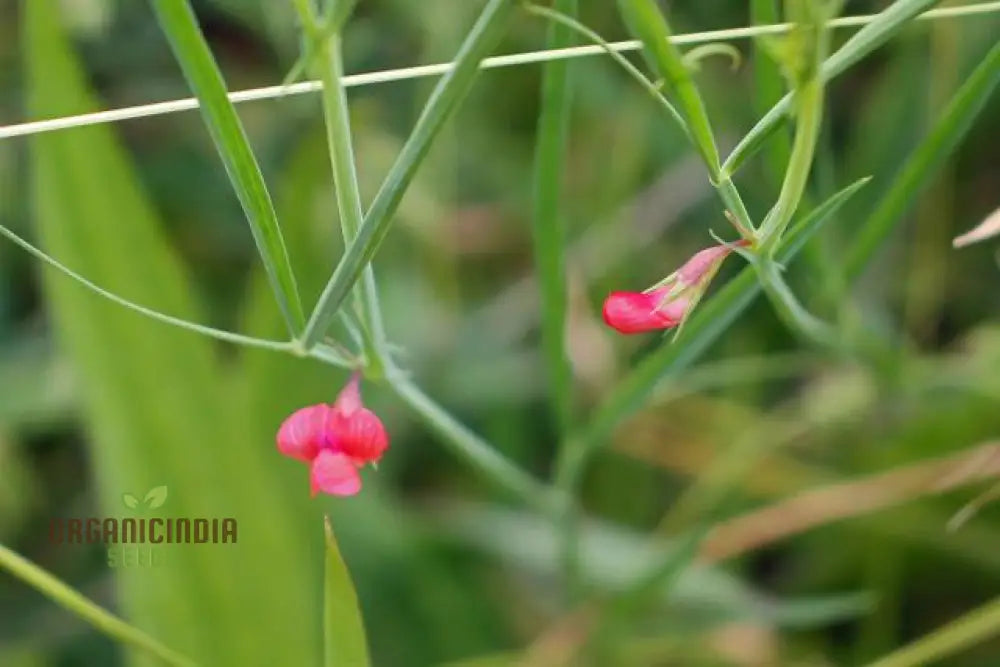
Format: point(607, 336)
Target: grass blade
point(344, 642)
point(448, 93)
point(67, 597)
point(647, 22)
point(866, 40)
point(202, 73)
point(975, 626)
point(704, 327)
point(549, 228)
point(159, 406)
point(935, 148)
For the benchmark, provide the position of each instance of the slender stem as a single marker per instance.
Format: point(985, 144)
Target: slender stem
point(218, 334)
point(348, 193)
point(70, 599)
point(973, 627)
point(630, 69)
point(476, 451)
point(790, 310)
point(809, 117)
point(722, 183)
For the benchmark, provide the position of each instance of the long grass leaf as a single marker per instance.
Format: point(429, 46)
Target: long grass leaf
point(449, 92)
point(202, 73)
point(158, 404)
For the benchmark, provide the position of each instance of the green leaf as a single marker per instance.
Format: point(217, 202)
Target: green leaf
point(704, 327)
point(343, 629)
point(159, 406)
point(925, 160)
point(549, 229)
point(130, 501)
point(70, 599)
point(647, 22)
point(449, 92)
point(866, 40)
point(202, 73)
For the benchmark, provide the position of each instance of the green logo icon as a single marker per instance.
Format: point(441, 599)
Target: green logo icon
point(154, 498)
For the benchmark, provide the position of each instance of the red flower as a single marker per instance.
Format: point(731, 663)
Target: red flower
point(335, 440)
point(636, 312)
point(668, 303)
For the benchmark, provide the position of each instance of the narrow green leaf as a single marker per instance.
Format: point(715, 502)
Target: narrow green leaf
point(202, 73)
point(974, 627)
point(647, 22)
point(549, 231)
point(705, 326)
point(68, 597)
point(344, 642)
point(866, 40)
point(925, 160)
point(158, 405)
point(449, 92)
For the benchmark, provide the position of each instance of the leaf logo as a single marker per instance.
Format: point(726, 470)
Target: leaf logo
point(154, 498)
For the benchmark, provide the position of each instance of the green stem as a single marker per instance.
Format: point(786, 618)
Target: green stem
point(809, 118)
point(469, 446)
point(974, 627)
point(218, 334)
point(451, 89)
point(345, 179)
point(722, 183)
point(790, 310)
point(70, 599)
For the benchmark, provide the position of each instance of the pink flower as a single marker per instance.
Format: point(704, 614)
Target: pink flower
point(668, 303)
point(335, 440)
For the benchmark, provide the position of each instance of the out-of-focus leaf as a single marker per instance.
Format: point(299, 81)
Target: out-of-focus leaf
point(159, 407)
point(343, 628)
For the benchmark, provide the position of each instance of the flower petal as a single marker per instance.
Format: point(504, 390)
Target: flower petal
point(637, 312)
point(360, 435)
point(349, 399)
point(704, 263)
point(303, 433)
point(335, 474)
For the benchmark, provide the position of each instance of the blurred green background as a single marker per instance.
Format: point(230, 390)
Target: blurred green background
point(96, 401)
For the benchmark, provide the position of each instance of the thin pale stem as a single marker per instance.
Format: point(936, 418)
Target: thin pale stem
point(218, 334)
point(437, 69)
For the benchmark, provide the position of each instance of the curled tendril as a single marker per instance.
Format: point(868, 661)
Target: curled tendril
point(694, 56)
